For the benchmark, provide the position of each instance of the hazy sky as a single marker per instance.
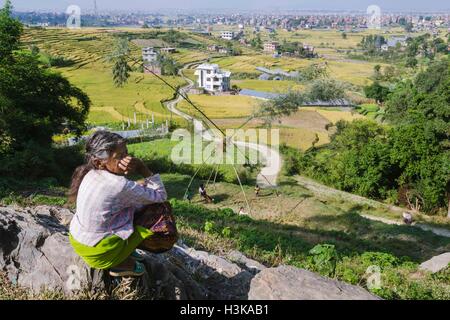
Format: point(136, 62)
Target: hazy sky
point(151, 5)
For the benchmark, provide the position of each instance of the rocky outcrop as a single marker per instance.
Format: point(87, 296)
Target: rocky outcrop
point(290, 283)
point(436, 263)
point(35, 253)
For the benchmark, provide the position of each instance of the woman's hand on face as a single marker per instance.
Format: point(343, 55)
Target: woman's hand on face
point(131, 165)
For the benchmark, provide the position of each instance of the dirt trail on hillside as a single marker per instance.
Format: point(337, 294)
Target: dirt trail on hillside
point(322, 190)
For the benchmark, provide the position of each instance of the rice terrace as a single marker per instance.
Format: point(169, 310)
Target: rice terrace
point(361, 190)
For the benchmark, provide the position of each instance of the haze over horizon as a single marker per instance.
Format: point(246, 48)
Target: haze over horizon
point(154, 5)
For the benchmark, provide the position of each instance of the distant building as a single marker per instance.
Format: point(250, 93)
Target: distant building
point(223, 50)
point(308, 48)
point(212, 79)
point(219, 49)
point(168, 50)
point(227, 35)
point(149, 55)
point(150, 58)
point(271, 47)
point(392, 42)
point(384, 47)
point(243, 41)
point(213, 47)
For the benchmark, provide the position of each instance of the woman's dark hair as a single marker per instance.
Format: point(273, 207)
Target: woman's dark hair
point(98, 146)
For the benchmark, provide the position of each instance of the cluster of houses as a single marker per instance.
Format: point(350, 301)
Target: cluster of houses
point(393, 42)
point(219, 49)
point(274, 48)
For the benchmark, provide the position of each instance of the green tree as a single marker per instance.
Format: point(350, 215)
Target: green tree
point(10, 31)
point(411, 62)
point(168, 65)
point(377, 92)
point(173, 37)
point(119, 58)
point(410, 157)
point(314, 71)
point(377, 72)
point(282, 105)
point(35, 104)
point(389, 73)
point(326, 90)
point(256, 42)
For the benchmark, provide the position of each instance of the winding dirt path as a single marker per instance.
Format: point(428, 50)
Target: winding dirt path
point(267, 178)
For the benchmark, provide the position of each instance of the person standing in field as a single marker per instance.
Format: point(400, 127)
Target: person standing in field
point(204, 194)
point(407, 218)
point(257, 190)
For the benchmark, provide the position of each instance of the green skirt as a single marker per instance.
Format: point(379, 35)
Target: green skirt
point(111, 251)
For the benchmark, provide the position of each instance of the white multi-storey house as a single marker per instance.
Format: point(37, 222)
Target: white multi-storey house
point(212, 79)
point(227, 35)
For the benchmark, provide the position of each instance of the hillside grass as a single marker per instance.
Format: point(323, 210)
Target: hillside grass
point(268, 85)
point(337, 115)
point(88, 48)
point(219, 107)
point(142, 94)
point(283, 229)
point(184, 56)
point(158, 156)
point(357, 248)
point(248, 63)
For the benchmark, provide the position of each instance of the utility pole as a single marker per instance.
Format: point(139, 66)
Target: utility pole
point(95, 8)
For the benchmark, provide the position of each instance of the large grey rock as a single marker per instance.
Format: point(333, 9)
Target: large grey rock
point(222, 279)
point(35, 252)
point(436, 263)
point(251, 265)
point(290, 283)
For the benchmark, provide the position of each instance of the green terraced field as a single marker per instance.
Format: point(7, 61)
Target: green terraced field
point(88, 48)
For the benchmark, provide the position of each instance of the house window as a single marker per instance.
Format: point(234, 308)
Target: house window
point(208, 72)
point(208, 79)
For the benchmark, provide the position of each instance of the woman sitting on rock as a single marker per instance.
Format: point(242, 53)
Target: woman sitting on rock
point(112, 216)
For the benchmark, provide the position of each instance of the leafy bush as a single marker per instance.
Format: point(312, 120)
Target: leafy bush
point(380, 259)
point(36, 104)
point(58, 61)
point(226, 232)
point(323, 258)
point(209, 227)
